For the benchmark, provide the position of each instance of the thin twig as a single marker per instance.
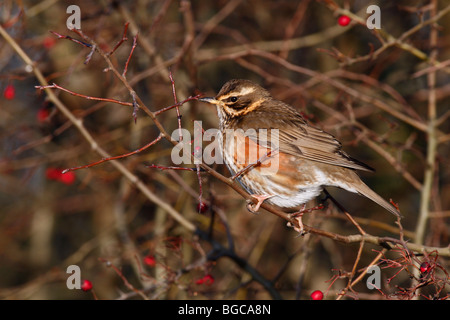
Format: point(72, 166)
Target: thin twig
point(353, 272)
point(148, 145)
point(124, 73)
point(56, 86)
point(123, 39)
point(61, 36)
point(175, 99)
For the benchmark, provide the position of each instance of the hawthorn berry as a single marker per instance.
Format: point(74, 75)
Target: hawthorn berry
point(344, 21)
point(56, 174)
point(67, 178)
point(86, 285)
point(53, 173)
point(150, 260)
point(42, 114)
point(48, 42)
point(425, 267)
point(207, 280)
point(202, 207)
point(317, 295)
point(10, 92)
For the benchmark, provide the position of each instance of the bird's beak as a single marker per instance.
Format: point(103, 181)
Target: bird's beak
point(211, 100)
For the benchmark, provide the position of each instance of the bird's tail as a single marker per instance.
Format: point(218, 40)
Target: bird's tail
point(364, 190)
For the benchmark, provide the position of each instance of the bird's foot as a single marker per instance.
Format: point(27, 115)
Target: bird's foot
point(252, 207)
point(297, 216)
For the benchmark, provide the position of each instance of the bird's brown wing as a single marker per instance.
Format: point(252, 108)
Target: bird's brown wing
point(300, 139)
point(296, 137)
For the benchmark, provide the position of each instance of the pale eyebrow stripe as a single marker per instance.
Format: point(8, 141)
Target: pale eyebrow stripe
point(243, 92)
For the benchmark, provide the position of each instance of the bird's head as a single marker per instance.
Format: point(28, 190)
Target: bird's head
point(238, 97)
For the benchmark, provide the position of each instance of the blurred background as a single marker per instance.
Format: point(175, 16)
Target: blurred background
point(383, 93)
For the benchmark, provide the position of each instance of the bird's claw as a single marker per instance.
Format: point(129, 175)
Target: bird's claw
point(252, 207)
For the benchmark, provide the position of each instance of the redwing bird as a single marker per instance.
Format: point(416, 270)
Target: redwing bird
point(306, 158)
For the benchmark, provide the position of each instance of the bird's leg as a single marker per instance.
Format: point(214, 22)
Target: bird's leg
point(298, 216)
point(253, 208)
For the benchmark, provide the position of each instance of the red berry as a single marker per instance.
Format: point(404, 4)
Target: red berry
point(67, 178)
point(202, 207)
point(344, 21)
point(42, 114)
point(86, 285)
point(53, 173)
point(49, 42)
point(425, 267)
point(10, 92)
point(150, 261)
point(208, 280)
point(317, 295)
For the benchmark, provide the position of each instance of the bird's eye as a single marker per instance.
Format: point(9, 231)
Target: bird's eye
point(233, 99)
